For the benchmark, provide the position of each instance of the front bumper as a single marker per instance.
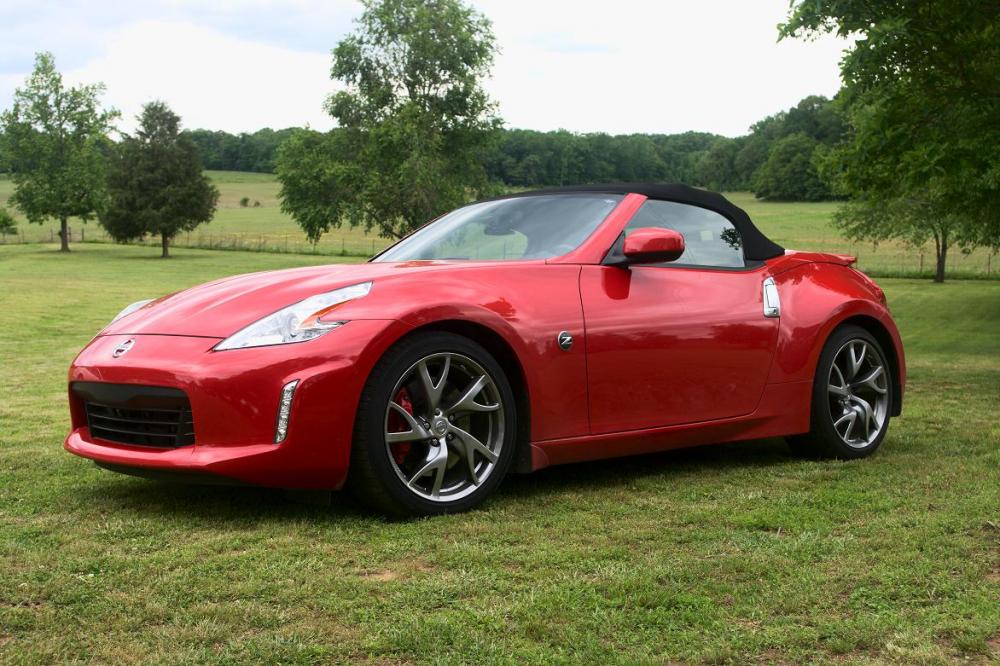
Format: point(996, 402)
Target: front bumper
point(235, 397)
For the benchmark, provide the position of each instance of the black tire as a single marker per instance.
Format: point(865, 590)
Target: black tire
point(824, 439)
point(375, 478)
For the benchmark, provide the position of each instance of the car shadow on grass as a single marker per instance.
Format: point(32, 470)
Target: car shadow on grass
point(247, 504)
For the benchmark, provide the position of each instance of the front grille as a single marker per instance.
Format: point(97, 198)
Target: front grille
point(138, 415)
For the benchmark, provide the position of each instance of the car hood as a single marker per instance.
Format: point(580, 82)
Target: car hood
point(219, 309)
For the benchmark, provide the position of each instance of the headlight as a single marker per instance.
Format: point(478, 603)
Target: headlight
point(296, 323)
point(131, 308)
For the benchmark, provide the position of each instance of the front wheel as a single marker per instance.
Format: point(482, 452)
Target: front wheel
point(435, 428)
point(852, 394)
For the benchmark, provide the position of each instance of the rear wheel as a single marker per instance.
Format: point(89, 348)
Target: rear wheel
point(435, 428)
point(852, 394)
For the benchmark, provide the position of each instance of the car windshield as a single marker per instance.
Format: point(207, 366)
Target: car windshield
point(528, 227)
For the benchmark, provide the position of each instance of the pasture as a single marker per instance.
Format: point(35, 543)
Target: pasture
point(730, 554)
point(802, 226)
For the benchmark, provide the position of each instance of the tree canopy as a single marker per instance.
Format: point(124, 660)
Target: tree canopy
point(239, 152)
point(54, 140)
point(414, 122)
point(922, 95)
point(155, 182)
point(789, 173)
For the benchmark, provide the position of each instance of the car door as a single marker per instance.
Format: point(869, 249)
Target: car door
point(681, 342)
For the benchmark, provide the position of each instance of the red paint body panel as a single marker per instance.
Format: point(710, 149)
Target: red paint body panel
point(783, 410)
point(815, 299)
point(662, 356)
point(672, 345)
point(234, 400)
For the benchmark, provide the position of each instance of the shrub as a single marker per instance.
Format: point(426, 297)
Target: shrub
point(7, 223)
point(244, 202)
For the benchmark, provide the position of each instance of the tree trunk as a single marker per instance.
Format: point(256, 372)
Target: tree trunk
point(165, 244)
point(942, 254)
point(64, 235)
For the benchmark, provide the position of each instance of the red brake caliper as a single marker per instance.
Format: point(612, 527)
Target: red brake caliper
point(398, 424)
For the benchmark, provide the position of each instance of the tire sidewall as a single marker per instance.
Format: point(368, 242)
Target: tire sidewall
point(370, 433)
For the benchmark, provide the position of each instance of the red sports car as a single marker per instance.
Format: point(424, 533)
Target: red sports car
point(511, 334)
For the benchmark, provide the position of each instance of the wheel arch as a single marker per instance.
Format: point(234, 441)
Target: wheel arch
point(885, 340)
point(509, 361)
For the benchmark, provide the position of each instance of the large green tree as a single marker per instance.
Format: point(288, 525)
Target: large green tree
point(414, 122)
point(155, 182)
point(55, 140)
point(922, 92)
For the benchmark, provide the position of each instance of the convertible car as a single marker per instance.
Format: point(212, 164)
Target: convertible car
point(530, 330)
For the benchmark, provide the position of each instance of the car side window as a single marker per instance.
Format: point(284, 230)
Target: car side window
point(709, 238)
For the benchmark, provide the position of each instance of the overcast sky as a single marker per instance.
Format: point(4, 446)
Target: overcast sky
point(614, 66)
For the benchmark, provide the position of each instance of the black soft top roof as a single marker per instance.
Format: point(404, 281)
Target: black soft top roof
point(756, 246)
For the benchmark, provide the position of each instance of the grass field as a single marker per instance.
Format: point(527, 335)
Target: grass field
point(729, 554)
point(803, 226)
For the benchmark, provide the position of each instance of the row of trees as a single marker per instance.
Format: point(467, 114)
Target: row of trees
point(223, 151)
point(58, 149)
point(776, 160)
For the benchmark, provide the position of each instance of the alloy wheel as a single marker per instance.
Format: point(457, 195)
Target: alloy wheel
point(858, 390)
point(444, 427)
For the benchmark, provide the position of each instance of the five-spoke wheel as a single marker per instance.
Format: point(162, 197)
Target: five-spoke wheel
point(445, 420)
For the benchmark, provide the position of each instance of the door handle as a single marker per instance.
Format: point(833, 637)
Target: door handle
point(772, 302)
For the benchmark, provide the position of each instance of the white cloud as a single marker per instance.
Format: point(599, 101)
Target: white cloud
point(210, 79)
point(651, 66)
point(619, 67)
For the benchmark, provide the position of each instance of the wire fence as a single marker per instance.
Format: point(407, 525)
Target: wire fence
point(885, 260)
point(362, 247)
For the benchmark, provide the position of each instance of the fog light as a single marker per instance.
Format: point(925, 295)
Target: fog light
point(284, 410)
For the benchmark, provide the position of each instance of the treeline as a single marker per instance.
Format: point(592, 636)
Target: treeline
point(776, 160)
point(222, 151)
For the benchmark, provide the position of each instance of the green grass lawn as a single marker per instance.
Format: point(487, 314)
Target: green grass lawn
point(729, 554)
point(802, 226)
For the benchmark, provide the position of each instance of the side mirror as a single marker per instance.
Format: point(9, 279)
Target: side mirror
point(652, 245)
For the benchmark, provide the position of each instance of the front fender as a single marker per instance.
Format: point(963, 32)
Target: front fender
point(527, 306)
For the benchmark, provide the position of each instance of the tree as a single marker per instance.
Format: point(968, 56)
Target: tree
point(55, 142)
point(717, 166)
point(155, 182)
point(8, 225)
point(789, 173)
point(414, 122)
point(922, 95)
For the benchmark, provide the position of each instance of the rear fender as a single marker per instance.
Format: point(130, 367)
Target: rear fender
point(816, 298)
